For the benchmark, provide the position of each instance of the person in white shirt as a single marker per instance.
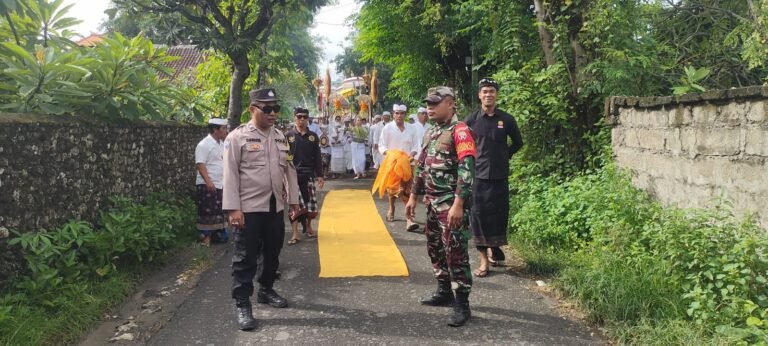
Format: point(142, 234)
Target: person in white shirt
point(420, 122)
point(337, 137)
point(326, 133)
point(314, 126)
point(400, 136)
point(373, 140)
point(209, 161)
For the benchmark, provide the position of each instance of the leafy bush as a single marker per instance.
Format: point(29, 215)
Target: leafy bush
point(632, 263)
point(79, 264)
point(41, 71)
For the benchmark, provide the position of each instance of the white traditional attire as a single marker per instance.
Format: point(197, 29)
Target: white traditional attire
point(395, 174)
point(348, 148)
point(359, 137)
point(392, 138)
point(373, 140)
point(338, 165)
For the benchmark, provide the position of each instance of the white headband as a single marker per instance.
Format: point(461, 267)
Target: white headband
point(422, 110)
point(217, 121)
point(399, 108)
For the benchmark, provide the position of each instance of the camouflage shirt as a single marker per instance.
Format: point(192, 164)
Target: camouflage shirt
point(446, 165)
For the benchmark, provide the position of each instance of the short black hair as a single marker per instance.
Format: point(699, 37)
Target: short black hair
point(300, 110)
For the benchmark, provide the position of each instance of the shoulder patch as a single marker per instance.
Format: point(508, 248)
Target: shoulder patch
point(465, 142)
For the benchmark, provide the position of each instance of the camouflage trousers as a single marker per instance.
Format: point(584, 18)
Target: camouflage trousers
point(448, 250)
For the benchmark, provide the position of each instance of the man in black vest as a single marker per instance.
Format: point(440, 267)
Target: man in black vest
point(490, 192)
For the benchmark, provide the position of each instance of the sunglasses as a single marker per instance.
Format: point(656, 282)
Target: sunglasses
point(302, 116)
point(268, 109)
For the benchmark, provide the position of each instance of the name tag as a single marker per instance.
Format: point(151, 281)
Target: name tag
point(253, 139)
point(500, 125)
point(254, 147)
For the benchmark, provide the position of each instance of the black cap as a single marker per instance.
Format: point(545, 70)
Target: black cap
point(263, 95)
point(300, 110)
point(490, 82)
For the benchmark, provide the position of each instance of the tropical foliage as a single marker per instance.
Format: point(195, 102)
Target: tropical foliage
point(558, 60)
point(76, 271)
point(235, 29)
point(44, 72)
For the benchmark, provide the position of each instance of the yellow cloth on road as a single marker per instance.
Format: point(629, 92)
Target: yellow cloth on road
point(394, 170)
point(353, 240)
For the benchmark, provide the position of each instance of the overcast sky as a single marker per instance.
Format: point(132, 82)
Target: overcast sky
point(330, 24)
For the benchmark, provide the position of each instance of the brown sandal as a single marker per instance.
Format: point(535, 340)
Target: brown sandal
point(293, 241)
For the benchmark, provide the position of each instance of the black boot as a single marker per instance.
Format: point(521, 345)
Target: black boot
point(269, 296)
point(245, 318)
point(461, 313)
point(443, 296)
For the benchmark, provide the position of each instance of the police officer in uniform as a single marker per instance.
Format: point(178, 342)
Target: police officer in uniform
point(444, 174)
point(259, 180)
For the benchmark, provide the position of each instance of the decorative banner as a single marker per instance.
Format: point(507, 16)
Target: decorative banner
point(348, 92)
point(327, 82)
point(374, 87)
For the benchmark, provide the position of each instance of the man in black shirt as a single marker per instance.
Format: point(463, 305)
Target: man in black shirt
point(305, 153)
point(490, 192)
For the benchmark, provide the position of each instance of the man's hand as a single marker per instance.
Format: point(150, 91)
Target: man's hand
point(455, 216)
point(410, 207)
point(320, 182)
point(236, 219)
point(209, 185)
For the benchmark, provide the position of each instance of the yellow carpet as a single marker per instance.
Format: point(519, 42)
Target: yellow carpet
point(353, 240)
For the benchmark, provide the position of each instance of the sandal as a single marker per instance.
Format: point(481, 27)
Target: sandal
point(390, 218)
point(481, 273)
point(311, 235)
point(414, 227)
point(293, 241)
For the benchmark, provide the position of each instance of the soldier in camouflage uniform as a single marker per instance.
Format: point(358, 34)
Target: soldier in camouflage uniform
point(444, 174)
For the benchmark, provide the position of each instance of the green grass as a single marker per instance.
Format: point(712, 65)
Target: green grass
point(650, 275)
point(77, 272)
point(66, 324)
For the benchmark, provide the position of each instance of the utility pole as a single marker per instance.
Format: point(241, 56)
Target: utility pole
point(473, 82)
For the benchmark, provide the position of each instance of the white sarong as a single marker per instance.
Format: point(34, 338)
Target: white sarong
point(338, 165)
point(358, 157)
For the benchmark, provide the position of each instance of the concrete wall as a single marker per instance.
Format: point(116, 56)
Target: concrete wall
point(53, 169)
point(690, 149)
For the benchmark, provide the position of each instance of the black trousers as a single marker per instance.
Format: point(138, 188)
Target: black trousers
point(257, 251)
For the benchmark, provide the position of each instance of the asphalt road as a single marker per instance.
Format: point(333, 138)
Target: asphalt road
point(355, 311)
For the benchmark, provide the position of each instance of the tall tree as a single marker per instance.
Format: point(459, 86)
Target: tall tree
point(425, 42)
point(232, 27)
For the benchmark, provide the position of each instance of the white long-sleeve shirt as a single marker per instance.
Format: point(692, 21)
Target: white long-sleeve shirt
point(420, 130)
point(393, 138)
point(375, 133)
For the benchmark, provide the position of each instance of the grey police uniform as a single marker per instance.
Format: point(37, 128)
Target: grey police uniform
point(259, 179)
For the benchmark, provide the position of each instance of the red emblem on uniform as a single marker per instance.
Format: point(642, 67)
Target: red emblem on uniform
point(465, 143)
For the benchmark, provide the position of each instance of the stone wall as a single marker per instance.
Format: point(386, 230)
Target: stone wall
point(692, 149)
point(53, 169)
